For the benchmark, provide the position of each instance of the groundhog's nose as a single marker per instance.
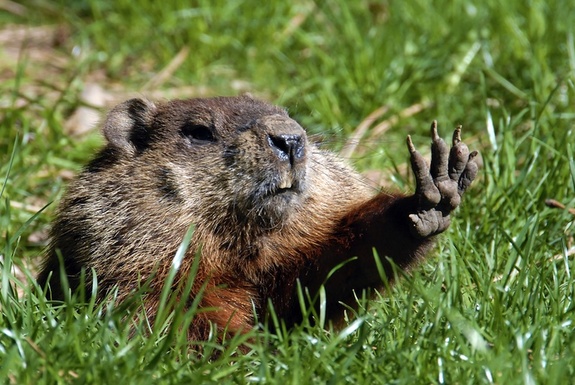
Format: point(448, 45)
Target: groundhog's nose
point(287, 147)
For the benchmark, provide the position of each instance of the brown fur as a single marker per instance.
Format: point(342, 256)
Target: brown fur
point(220, 164)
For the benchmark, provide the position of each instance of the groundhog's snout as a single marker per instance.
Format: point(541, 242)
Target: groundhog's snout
point(286, 138)
point(288, 147)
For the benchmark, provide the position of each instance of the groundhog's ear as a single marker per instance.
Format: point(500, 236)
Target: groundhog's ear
point(127, 126)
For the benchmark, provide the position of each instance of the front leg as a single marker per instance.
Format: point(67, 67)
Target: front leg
point(440, 187)
point(400, 228)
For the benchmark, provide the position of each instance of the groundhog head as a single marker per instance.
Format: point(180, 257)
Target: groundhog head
point(235, 157)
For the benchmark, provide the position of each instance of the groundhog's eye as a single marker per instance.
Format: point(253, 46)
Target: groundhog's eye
point(198, 133)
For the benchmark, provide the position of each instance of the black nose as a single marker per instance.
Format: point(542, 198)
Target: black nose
point(288, 147)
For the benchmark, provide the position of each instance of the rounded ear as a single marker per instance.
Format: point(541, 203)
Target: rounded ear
point(127, 126)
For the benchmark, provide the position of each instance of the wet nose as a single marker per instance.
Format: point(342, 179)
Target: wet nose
point(287, 147)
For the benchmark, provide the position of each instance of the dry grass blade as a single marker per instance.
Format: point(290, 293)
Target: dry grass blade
point(382, 127)
point(13, 7)
point(162, 76)
point(558, 205)
point(353, 141)
point(351, 146)
point(295, 22)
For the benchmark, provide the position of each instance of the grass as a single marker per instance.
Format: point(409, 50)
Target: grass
point(493, 304)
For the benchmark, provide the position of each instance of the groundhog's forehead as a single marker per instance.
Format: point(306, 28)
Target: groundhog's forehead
point(239, 109)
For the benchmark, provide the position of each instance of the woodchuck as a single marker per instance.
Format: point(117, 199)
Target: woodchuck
point(270, 209)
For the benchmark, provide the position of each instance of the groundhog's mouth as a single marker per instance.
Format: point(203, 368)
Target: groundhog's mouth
point(283, 191)
point(272, 202)
point(286, 190)
point(288, 183)
point(279, 190)
point(281, 187)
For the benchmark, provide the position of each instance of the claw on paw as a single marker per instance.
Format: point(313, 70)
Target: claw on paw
point(457, 135)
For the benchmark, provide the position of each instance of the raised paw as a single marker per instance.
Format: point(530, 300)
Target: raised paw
point(439, 187)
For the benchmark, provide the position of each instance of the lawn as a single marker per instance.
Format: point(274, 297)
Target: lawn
point(494, 301)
